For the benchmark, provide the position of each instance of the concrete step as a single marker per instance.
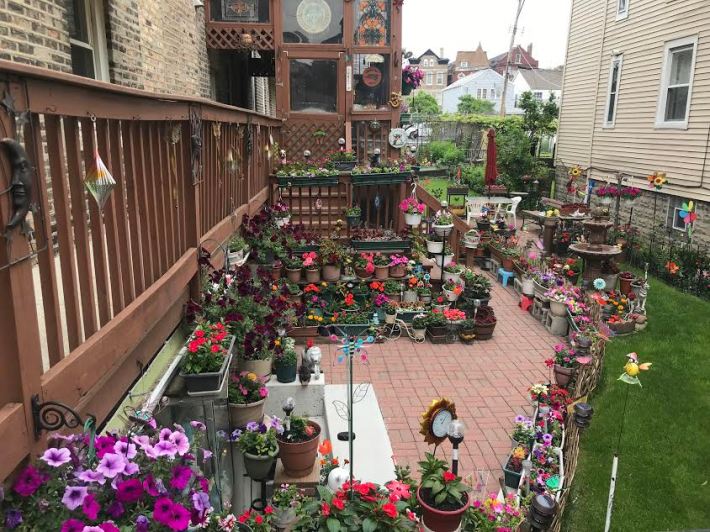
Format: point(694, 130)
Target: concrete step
point(372, 450)
point(309, 398)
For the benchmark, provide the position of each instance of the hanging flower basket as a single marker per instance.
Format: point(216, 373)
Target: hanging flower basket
point(413, 220)
point(443, 230)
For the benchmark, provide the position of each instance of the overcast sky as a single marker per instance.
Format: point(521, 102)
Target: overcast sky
point(460, 24)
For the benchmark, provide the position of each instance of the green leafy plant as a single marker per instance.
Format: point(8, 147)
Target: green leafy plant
point(258, 438)
point(447, 490)
point(300, 431)
point(245, 388)
point(468, 105)
point(353, 211)
point(236, 243)
point(293, 262)
point(392, 287)
point(420, 322)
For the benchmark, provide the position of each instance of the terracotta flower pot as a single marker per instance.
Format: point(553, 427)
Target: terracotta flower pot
point(295, 298)
point(484, 331)
point(382, 272)
point(313, 276)
point(507, 264)
point(262, 368)
point(293, 275)
point(398, 271)
point(440, 520)
point(361, 273)
point(331, 272)
point(563, 375)
point(240, 415)
point(625, 285)
point(276, 272)
point(298, 459)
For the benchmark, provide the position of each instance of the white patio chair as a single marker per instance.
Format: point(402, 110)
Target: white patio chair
point(511, 209)
point(474, 208)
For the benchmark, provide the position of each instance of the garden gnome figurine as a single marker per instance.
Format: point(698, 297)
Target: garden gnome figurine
point(313, 356)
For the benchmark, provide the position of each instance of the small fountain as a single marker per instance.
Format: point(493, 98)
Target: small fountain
point(596, 250)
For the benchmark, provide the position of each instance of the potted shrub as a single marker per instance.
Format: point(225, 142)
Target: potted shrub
point(443, 223)
point(286, 500)
point(436, 323)
point(391, 309)
point(276, 269)
point(259, 447)
point(483, 224)
point(513, 468)
point(293, 265)
point(293, 292)
point(207, 357)
point(298, 446)
point(625, 280)
point(558, 297)
point(477, 287)
point(508, 255)
point(332, 255)
point(352, 215)
point(442, 495)
point(364, 265)
point(467, 331)
point(434, 244)
point(419, 325)
point(452, 272)
point(424, 293)
point(572, 269)
point(393, 290)
point(413, 210)
point(382, 266)
point(282, 216)
point(563, 364)
point(286, 360)
point(452, 290)
point(485, 322)
point(236, 247)
point(311, 263)
point(247, 395)
point(398, 266)
point(256, 361)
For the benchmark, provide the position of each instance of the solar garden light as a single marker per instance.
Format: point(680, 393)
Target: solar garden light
point(375, 159)
point(288, 407)
point(341, 143)
point(542, 513)
point(583, 413)
point(455, 433)
point(527, 467)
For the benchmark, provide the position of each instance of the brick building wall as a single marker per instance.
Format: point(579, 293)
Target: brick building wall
point(157, 45)
point(35, 32)
point(642, 215)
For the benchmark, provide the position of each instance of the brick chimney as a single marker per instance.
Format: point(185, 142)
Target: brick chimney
point(530, 49)
point(441, 53)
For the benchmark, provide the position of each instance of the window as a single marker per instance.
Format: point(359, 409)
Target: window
point(372, 23)
point(87, 38)
point(479, 92)
point(676, 83)
point(538, 95)
point(493, 94)
point(612, 98)
point(371, 75)
point(673, 218)
point(485, 93)
point(429, 78)
point(518, 58)
point(312, 21)
point(464, 64)
point(622, 9)
point(439, 78)
point(314, 85)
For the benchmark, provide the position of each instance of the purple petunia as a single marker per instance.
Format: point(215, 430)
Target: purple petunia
point(13, 518)
point(252, 426)
point(111, 465)
point(125, 449)
point(180, 478)
point(182, 444)
point(56, 457)
point(74, 496)
point(142, 523)
point(198, 425)
point(28, 481)
point(131, 469)
point(166, 448)
point(115, 509)
point(91, 476)
point(201, 502)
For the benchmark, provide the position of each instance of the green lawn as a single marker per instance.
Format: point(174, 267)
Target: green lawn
point(664, 463)
point(437, 186)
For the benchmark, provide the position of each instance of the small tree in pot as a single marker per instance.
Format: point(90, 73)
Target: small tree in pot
point(436, 323)
point(442, 495)
point(298, 446)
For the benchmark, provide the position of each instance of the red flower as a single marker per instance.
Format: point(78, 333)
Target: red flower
point(199, 333)
point(325, 509)
point(258, 519)
point(268, 510)
point(449, 476)
point(390, 510)
point(549, 362)
point(338, 503)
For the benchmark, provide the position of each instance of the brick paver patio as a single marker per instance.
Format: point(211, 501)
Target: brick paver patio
point(488, 381)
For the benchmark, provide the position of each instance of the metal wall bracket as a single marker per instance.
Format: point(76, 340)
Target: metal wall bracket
point(52, 415)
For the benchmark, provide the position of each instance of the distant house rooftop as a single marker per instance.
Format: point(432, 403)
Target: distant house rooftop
point(543, 79)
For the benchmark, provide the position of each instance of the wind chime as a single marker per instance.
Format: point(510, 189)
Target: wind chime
point(98, 180)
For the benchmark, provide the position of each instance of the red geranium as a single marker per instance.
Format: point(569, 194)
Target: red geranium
point(390, 510)
point(449, 476)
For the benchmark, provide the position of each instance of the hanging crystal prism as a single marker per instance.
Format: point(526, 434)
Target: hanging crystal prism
point(99, 181)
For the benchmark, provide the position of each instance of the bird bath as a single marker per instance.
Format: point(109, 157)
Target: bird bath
point(596, 250)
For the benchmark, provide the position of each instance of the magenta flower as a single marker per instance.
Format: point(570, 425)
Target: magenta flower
point(162, 510)
point(92, 529)
point(180, 478)
point(115, 510)
point(74, 496)
point(198, 425)
point(131, 469)
point(28, 481)
point(108, 526)
point(103, 445)
point(125, 449)
point(129, 491)
point(91, 477)
point(179, 518)
point(56, 457)
point(111, 465)
point(181, 442)
point(165, 448)
point(165, 434)
point(150, 486)
point(141, 441)
point(90, 507)
point(72, 525)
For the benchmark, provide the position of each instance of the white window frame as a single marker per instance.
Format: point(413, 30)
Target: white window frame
point(485, 94)
point(683, 229)
point(95, 26)
point(622, 9)
point(661, 121)
point(429, 78)
point(479, 92)
point(439, 78)
point(615, 60)
point(464, 64)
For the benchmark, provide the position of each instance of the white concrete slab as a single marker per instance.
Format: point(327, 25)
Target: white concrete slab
point(372, 448)
point(309, 398)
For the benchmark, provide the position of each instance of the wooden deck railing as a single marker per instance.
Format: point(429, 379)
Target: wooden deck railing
point(87, 302)
point(460, 226)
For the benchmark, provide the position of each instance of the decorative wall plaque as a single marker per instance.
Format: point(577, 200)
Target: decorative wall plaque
point(241, 10)
point(372, 76)
point(314, 16)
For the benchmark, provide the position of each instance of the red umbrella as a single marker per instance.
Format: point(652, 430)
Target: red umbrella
point(491, 166)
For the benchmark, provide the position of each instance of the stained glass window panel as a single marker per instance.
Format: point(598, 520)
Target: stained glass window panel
point(313, 21)
point(372, 23)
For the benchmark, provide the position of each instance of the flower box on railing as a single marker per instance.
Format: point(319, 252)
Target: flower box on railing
point(301, 182)
point(360, 180)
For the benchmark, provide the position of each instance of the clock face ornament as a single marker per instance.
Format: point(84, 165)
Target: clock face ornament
point(314, 16)
point(397, 138)
point(434, 424)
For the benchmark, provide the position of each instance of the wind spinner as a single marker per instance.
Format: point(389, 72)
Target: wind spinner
point(99, 181)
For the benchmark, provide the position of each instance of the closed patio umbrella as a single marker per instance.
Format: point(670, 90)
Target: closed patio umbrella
point(491, 163)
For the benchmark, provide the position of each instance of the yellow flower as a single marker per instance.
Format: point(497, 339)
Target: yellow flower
point(658, 181)
point(620, 307)
point(252, 377)
point(277, 342)
point(324, 283)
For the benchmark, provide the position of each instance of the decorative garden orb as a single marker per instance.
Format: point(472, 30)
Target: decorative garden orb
point(337, 477)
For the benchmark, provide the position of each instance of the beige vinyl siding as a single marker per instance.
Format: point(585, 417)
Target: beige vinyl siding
point(579, 86)
point(635, 145)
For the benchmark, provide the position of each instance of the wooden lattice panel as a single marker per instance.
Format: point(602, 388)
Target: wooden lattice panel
point(230, 37)
point(298, 136)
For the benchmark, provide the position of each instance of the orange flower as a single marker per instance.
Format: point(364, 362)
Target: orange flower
point(325, 448)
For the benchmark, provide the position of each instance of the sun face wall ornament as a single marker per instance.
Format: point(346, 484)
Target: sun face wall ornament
point(657, 180)
point(395, 100)
point(434, 424)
